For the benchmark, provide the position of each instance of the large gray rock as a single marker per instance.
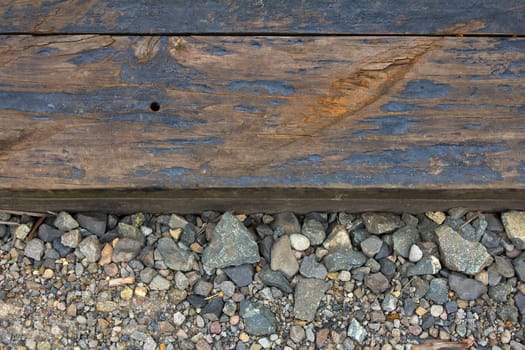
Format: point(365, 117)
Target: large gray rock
point(308, 295)
point(93, 222)
point(258, 319)
point(310, 268)
point(283, 258)
point(231, 245)
point(90, 247)
point(130, 231)
point(345, 259)
point(34, 249)
point(126, 250)
point(459, 254)
point(48, 233)
point(514, 222)
point(314, 230)
point(65, 222)
point(173, 256)
point(379, 223)
point(371, 246)
point(286, 223)
point(404, 238)
point(466, 288)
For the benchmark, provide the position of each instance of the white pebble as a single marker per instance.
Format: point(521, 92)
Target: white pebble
point(344, 276)
point(415, 253)
point(299, 242)
point(436, 310)
point(178, 318)
point(265, 343)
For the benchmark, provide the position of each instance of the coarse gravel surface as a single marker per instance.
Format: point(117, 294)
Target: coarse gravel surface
point(435, 280)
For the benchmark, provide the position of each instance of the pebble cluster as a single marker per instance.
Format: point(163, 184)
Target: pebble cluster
point(283, 281)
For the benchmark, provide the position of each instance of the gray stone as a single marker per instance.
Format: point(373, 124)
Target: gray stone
point(520, 303)
point(379, 223)
point(389, 304)
point(93, 222)
point(61, 249)
point(428, 265)
point(228, 287)
point(71, 239)
point(415, 253)
point(457, 213)
point(299, 242)
point(34, 249)
point(377, 283)
point(493, 276)
point(203, 288)
point(308, 295)
point(504, 266)
point(438, 291)
point(258, 319)
point(266, 247)
point(426, 229)
point(212, 311)
point(337, 239)
point(519, 266)
point(283, 258)
point(159, 283)
point(358, 236)
point(48, 233)
point(356, 331)
point(275, 279)
point(420, 287)
point(65, 222)
point(466, 288)
point(453, 247)
point(480, 225)
point(345, 259)
point(177, 222)
point(297, 334)
point(310, 268)
point(514, 223)
point(371, 246)
point(90, 247)
point(404, 238)
point(147, 275)
point(314, 230)
point(241, 275)
point(130, 231)
point(231, 245)
point(500, 292)
point(491, 240)
point(388, 267)
point(174, 257)
point(286, 223)
point(508, 312)
point(126, 250)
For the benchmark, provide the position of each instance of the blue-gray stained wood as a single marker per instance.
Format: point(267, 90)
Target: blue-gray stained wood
point(332, 117)
point(264, 16)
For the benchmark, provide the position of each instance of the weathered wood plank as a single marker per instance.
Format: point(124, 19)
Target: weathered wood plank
point(315, 113)
point(262, 16)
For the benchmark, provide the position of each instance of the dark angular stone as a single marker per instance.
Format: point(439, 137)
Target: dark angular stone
point(275, 279)
point(466, 288)
point(48, 233)
point(258, 319)
point(344, 259)
point(388, 267)
point(93, 222)
point(196, 300)
point(212, 311)
point(241, 275)
point(286, 222)
point(438, 291)
point(60, 248)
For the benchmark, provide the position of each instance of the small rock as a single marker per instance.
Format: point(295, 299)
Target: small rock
point(106, 306)
point(90, 248)
point(466, 288)
point(356, 331)
point(500, 292)
point(126, 250)
point(436, 310)
point(22, 231)
point(48, 233)
point(71, 238)
point(519, 266)
point(428, 265)
point(131, 232)
point(159, 283)
point(34, 249)
point(126, 293)
point(377, 283)
point(314, 230)
point(258, 319)
point(93, 222)
point(48, 274)
point(415, 253)
point(504, 266)
point(141, 291)
point(371, 246)
point(282, 257)
point(308, 295)
point(275, 279)
point(286, 222)
point(65, 222)
point(178, 319)
point(299, 242)
point(345, 259)
point(106, 255)
point(438, 291)
point(297, 334)
point(404, 238)
point(379, 223)
point(453, 247)
point(177, 222)
point(174, 257)
point(202, 287)
point(437, 216)
point(310, 268)
point(146, 275)
point(212, 311)
point(338, 239)
point(241, 275)
point(231, 245)
point(514, 223)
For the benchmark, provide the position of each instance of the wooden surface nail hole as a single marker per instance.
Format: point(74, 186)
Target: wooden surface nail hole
point(154, 106)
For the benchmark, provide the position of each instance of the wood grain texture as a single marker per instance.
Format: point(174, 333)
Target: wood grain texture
point(263, 16)
point(296, 113)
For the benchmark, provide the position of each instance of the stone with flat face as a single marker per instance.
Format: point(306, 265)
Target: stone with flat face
point(514, 223)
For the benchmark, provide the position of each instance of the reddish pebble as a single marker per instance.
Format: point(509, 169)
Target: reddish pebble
point(234, 320)
point(111, 269)
point(215, 327)
point(321, 337)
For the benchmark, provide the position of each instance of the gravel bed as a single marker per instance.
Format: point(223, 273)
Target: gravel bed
point(436, 280)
